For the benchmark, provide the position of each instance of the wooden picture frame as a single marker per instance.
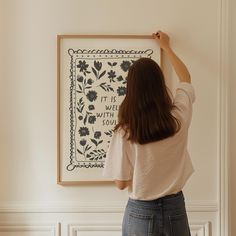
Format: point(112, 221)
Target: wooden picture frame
point(91, 83)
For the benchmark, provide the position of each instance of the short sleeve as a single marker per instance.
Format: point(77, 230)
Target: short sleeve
point(117, 164)
point(185, 92)
point(183, 100)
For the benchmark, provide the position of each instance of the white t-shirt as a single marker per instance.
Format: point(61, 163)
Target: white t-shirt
point(158, 168)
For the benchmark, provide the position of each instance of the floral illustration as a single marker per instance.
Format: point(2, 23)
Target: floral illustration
point(111, 75)
point(98, 65)
point(109, 133)
point(121, 91)
point(97, 86)
point(106, 87)
point(83, 84)
point(91, 119)
point(96, 70)
point(125, 65)
point(80, 78)
point(122, 79)
point(90, 81)
point(97, 134)
point(83, 131)
point(89, 148)
point(91, 95)
point(85, 149)
point(80, 105)
point(112, 63)
point(83, 66)
point(91, 107)
point(83, 142)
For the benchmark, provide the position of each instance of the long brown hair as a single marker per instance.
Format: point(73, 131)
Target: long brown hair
point(145, 113)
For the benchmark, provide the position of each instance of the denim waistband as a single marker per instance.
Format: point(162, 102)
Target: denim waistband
point(166, 200)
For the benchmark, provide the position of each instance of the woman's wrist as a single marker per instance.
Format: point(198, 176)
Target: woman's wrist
point(167, 49)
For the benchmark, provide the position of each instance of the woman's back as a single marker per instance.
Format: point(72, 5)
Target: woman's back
point(157, 168)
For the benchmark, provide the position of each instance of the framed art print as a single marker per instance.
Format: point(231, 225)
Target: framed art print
point(91, 84)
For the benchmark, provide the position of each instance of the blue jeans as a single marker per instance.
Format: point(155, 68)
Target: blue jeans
point(164, 216)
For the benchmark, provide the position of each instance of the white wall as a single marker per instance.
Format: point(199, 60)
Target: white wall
point(28, 120)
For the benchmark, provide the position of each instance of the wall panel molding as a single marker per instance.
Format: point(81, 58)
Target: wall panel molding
point(92, 207)
point(197, 228)
point(200, 228)
point(223, 118)
point(78, 229)
point(52, 229)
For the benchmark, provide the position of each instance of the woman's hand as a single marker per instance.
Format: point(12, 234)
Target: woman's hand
point(162, 39)
point(179, 67)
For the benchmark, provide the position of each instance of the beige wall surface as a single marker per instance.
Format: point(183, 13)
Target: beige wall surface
point(232, 75)
point(28, 104)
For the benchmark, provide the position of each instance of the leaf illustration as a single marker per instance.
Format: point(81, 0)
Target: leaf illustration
point(82, 108)
point(80, 87)
point(100, 142)
point(114, 64)
point(85, 119)
point(102, 74)
point(78, 91)
point(96, 154)
point(95, 72)
point(94, 141)
point(109, 63)
point(109, 133)
point(79, 151)
point(106, 87)
point(87, 147)
point(110, 88)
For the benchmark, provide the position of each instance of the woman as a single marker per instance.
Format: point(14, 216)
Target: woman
point(148, 151)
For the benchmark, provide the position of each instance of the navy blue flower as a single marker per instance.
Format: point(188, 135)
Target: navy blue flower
point(82, 66)
point(121, 91)
point(97, 65)
point(92, 119)
point(83, 131)
point(91, 95)
point(91, 107)
point(125, 65)
point(83, 142)
point(97, 134)
point(80, 78)
point(90, 81)
point(111, 74)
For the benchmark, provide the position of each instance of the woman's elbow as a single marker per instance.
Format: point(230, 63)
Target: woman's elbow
point(121, 184)
point(121, 187)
